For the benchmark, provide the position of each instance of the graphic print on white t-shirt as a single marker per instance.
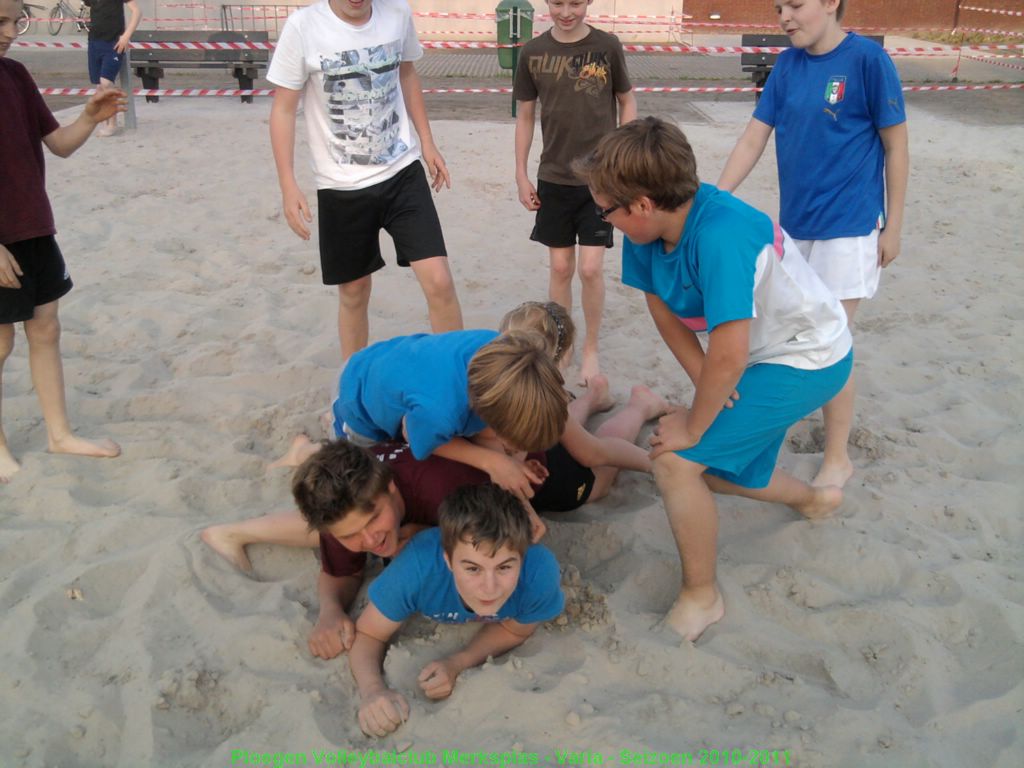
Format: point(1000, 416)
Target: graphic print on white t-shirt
point(363, 101)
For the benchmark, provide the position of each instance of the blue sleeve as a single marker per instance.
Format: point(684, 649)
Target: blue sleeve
point(727, 253)
point(396, 589)
point(884, 92)
point(425, 431)
point(542, 598)
point(636, 266)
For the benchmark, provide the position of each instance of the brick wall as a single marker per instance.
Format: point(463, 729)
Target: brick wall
point(859, 13)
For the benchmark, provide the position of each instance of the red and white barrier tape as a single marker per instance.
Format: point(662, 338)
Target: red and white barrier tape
point(1000, 11)
point(993, 60)
point(641, 89)
point(489, 45)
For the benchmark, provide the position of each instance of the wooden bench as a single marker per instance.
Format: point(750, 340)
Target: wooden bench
point(245, 64)
point(759, 65)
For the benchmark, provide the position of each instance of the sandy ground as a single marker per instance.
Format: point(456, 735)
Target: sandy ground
point(199, 337)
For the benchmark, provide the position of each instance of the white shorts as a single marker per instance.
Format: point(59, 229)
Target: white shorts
point(847, 265)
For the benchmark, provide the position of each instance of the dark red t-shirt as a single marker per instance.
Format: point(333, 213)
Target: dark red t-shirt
point(423, 486)
point(24, 121)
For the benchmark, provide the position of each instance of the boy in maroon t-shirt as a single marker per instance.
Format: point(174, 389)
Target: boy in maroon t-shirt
point(32, 272)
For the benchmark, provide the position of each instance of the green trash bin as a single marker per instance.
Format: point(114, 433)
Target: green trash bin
point(507, 27)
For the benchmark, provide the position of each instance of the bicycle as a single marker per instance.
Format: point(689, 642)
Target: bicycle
point(63, 11)
point(26, 17)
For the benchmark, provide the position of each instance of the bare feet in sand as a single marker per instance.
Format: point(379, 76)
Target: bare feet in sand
point(824, 502)
point(651, 405)
point(300, 450)
point(600, 398)
point(590, 367)
point(8, 465)
point(220, 539)
point(79, 446)
point(833, 473)
point(694, 611)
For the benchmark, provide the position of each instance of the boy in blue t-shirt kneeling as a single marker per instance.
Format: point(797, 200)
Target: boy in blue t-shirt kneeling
point(477, 566)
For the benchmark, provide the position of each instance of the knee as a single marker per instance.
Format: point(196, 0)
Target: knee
point(355, 294)
point(438, 285)
point(592, 270)
point(670, 469)
point(6, 342)
point(43, 332)
point(562, 268)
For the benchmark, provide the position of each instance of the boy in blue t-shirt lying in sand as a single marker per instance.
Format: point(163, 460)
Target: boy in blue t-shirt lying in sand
point(477, 566)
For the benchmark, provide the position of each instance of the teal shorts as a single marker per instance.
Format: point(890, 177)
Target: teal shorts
point(742, 444)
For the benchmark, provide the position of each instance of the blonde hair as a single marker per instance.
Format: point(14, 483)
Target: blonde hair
point(550, 319)
point(645, 158)
point(516, 388)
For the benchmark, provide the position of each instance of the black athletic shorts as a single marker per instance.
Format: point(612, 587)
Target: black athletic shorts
point(45, 279)
point(567, 214)
point(568, 485)
point(350, 222)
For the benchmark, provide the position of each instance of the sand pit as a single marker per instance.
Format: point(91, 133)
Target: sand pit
point(200, 338)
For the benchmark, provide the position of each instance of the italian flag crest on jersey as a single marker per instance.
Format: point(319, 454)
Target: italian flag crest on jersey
point(835, 89)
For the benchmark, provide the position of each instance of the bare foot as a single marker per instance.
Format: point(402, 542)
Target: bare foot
point(833, 473)
point(823, 504)
point(589, 368)
point(600, 398)
point(694, 611)
point(300, 450)
point(79, 446)
point(8, 465)
point(651, 405)
point(220, 539)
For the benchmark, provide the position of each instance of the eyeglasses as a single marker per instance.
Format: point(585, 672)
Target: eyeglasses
point(604, 213)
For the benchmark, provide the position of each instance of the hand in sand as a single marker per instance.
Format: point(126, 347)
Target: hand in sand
point(332, 636)
point(437, 679)
point(382, 712)
point(438, 171)
point(10, 270)
point(672, 433)
point(106, 103)
point(296, 210)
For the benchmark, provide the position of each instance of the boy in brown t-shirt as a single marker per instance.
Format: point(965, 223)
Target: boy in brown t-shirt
point(579, 75)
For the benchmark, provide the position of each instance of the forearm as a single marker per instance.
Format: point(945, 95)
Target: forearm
point(491, 640)
point(681, 341)
point(282, 142)
point(415, 106)
point(524, 139)
point(897, 172)
point(65, 140)
point(718, 380)
point(365, 660)
point(462, 450)
point(627, 107)
point(133, 21)
point(336, 593)
point(744, 156)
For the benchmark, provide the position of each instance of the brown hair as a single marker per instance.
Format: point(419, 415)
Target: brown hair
point(338, 479)
point(644, 158)
point(516, 388)
point(484, 515)
point(550, 319)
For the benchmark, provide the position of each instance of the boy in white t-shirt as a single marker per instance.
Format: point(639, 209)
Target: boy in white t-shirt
point(778, 345)
point(352, 61)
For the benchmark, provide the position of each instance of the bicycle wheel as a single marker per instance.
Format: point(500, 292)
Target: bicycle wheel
point(56, 20)
point(24, 21)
